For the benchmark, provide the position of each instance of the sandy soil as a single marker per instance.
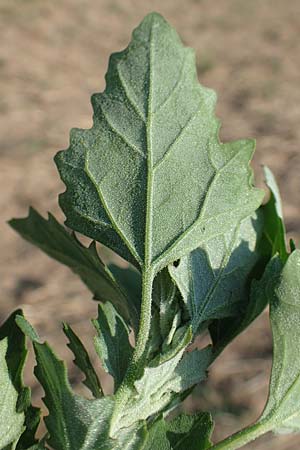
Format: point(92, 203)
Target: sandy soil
point(53, 56)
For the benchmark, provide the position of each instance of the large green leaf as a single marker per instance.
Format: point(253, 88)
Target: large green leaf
point(282, 412)
point(54, 239)
point(213, 279)
point(271, 243)
point(150, 179)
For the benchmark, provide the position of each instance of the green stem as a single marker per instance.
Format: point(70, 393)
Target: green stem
point(138, 359)
point(145, 321)
point(243, 437)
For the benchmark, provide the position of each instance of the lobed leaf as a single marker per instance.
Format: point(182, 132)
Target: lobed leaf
point(75, 423)
point(112, 342)
point(56, 242)
point(82, 360)
point(270, 249)
point(213, 279)
point(150, 179)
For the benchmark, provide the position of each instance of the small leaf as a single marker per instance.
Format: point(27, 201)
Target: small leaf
point(56, 242)
point(274, 229)
point(82, 360)
point(224, 331)
point(282, 412)
point(165, 298)
point(190, 432)
point(213, 279)
point(181, 433)
point(157, 437)
point(112, 343)
point(150, 179)
point(161, 383)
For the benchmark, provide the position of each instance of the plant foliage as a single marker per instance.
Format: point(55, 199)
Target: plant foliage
point(152, 181)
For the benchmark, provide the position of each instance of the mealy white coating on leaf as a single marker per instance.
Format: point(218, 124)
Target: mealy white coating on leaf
point(151, 175)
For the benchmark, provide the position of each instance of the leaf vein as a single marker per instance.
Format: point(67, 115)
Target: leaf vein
point(126, 90)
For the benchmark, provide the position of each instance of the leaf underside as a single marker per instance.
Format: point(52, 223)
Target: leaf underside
point(152, 179)
point(213, 279)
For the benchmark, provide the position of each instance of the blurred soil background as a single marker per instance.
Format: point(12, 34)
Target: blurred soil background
point(53, 56)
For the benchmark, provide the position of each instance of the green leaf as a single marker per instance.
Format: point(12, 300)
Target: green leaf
point(82, 360)
point(161, 383)
point(213, 279)
point(39, 446)
point(157, 437)
point(112, 343)
point(130, 282)
point(165, 297)
point(274, 229)
point(18, 419)
point(32, 420)
point(183, 432)
point(224, 331)
point(56, 242)
point(12, 356)
point(150, 179)
point(73, 421)
point(282, 411)
point(190, 431)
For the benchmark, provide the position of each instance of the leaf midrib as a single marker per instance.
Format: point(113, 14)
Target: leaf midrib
point(149, 198)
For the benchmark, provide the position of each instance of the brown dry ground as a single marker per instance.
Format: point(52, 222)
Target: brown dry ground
point(53, 56)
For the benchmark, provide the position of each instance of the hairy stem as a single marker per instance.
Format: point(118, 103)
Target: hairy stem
point(243, 437)
point(145, 321)
point(138, 359)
